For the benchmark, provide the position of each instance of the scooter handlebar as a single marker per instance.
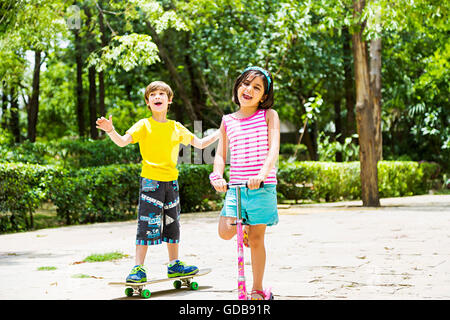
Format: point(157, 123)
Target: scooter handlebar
point(242, 184)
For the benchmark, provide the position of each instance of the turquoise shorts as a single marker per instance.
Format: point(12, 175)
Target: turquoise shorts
point(258, 206)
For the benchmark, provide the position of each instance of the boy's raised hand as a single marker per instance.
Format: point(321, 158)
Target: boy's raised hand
point(105, 124)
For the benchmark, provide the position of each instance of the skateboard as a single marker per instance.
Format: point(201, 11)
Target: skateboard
point(178, 282)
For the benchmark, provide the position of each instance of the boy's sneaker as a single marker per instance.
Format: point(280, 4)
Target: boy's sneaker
point(179, 269)
point(137, 275)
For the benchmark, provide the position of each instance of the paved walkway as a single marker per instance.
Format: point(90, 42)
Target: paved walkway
point(322, 251)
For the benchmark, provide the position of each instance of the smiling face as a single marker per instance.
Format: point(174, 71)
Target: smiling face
point(158, 95)
point(158, 101)
point(251, 91)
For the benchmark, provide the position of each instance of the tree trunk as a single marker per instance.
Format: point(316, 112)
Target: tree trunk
point(375, 85)
point(80, 104)
point(14, 113)
point(33, 106)
point(348, 85)
point(92, 74)
point(101, 76)
point(365, 118)
point(4, 123)
point(338, 134)
point(307, 137)
point(92, 103)
point(198, 97)
point(31, 219)
point(173, 72)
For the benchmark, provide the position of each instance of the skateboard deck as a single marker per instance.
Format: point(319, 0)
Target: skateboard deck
point(178, 282)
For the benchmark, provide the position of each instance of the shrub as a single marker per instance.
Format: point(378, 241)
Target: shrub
point(327, 181)
point(96, 194)
point(70, 153)
point(333, 181)
point(196, 192)
point(110, 193)
point(22, 189)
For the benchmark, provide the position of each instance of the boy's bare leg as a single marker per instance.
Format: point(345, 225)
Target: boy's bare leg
point(141, 252)
point(172, 249)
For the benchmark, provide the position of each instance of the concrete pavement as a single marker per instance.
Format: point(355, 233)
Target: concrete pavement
point(322, 251)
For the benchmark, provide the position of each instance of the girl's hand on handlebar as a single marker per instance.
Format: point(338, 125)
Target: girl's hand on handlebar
point(255, 182)
point(220, 185)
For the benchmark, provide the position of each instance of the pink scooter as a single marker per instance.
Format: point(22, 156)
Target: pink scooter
point(242, 291)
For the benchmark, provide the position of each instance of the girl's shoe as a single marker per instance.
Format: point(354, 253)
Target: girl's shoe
point(179, 269)
point(261, 295)
point(137, 275)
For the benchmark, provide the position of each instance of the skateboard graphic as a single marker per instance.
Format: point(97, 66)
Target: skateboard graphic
point(178, 282)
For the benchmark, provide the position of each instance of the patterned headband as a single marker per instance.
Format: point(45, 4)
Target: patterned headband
point(264, 72)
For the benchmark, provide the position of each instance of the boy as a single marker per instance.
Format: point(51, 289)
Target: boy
point(159, 204)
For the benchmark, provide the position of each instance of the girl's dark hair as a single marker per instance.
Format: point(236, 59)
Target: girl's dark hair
point(268, 89)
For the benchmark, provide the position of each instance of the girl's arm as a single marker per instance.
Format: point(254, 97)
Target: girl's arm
point(206, 141)
point(107, 126)
point(273, 123)
point(217, 180)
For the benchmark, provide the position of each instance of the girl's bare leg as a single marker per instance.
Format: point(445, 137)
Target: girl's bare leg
point(258, 254)
point(226, 229)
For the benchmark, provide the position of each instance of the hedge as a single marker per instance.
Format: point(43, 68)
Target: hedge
point(93, 194)
point(78, 153)
point(334, 181)
point(22, 189)
point(110, 193)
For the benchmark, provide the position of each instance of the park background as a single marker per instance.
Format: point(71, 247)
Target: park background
point(361, 88)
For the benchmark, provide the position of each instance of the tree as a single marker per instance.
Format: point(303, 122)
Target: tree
point(30, 26)
point(365, 115)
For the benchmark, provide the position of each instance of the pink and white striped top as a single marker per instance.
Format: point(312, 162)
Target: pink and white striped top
point(249, 146)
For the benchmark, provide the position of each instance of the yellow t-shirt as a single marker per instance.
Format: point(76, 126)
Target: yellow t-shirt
point(159, 144)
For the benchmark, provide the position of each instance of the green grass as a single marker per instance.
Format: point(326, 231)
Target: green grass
point(46, 268)
point(80, 276)
point(105, 257)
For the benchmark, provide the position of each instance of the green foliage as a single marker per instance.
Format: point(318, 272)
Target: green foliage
point(287, 151)
point(131, 50)
point(91, 194)
point(196, 192)
point(110, 193)
point(22, 189)
point(96, 194)
point(327, 149)
point(210, 42)
point(328, 181)
point(70, 153)
point(407, 178)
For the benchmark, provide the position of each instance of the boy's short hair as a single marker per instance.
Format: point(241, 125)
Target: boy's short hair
point(158, 85)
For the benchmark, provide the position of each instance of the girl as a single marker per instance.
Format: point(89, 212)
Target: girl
point(253, 136)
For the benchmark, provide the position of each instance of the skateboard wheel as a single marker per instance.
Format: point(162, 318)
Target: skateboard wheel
point(194, 286)
point(129, 292)
point(177, 284)
point(145, 294)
